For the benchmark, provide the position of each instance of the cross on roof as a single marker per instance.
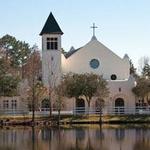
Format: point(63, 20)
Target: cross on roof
point(94, 27)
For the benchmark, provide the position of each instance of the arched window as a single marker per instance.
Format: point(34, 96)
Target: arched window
point(45, 104)
point(119, 106)
point(80, 105)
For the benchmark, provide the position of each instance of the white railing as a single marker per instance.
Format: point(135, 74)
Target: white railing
point(13, 111)
point(80, 111)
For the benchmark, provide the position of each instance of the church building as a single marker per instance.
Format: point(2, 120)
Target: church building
point(93, 57)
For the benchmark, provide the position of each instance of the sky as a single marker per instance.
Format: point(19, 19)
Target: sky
point(123, 25)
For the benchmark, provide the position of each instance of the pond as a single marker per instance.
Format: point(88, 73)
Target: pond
point(92, 137)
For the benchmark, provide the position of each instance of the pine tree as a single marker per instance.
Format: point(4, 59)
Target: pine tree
point(17, 51)
point(146, 71)
point(132, 69)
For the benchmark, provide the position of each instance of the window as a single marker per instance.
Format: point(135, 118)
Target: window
point(5, 104)
point(45, 103)
point(119, 106)
point(94, 63)
point(13, 104)
point(113, 77)
point(119, 89)
point(52, 58)
point(52, 43)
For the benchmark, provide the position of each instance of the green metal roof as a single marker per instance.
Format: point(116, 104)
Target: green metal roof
point(51, 26)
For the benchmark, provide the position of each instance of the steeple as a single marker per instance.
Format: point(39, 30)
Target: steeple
point(51, 52)
point(51, 26)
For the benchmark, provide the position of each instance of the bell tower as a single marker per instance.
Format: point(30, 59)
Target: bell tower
point(51, 52)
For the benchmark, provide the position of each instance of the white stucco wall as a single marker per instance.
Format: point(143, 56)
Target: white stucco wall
point(79, 62)
point(110, 63)
point(51, 61)
point(126, 93)
point(20, 105)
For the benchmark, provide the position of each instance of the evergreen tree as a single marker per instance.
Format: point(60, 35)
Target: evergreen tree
point(132, 69)
point(8, 86)
point(146, 71)
point(8, 82)
point(17, 51)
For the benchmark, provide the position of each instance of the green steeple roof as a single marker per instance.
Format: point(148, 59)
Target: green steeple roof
point(51, 26)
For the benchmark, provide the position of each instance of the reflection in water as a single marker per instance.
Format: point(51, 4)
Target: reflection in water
point(143, 139)
point(99, 133)
point(120, 134)
point(75, 138)
point(33, 138)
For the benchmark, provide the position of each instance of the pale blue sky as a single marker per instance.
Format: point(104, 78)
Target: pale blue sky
point(123, 25)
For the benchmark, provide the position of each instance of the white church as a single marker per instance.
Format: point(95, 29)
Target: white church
point(94, 57)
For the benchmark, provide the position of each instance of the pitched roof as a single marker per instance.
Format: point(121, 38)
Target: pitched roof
point(51, 26)
point(68, 54)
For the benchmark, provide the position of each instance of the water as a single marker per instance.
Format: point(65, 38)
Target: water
point(76, 138)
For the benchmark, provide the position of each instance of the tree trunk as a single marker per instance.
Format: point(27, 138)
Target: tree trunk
point(88, 108)
point(100, 115)
point(33, 91)
point(50, 105)
point(33, 104)
point(100, 110)
point(21, 72)
point(59, 117)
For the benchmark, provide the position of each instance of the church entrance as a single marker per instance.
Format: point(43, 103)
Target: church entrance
point(45, 105)
point(80, 106)
point(119, 106)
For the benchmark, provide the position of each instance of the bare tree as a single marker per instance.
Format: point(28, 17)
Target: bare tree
point(53, 78)
point(31, 72)
point(59, 103)
point(40, 94)
point(142, 62)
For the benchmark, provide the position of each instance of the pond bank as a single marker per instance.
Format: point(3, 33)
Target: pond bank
point(84, 119)
point(111, 119)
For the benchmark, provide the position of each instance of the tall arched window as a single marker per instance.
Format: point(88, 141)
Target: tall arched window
point(119, 106)
point(80, 105)
point(45, 103)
